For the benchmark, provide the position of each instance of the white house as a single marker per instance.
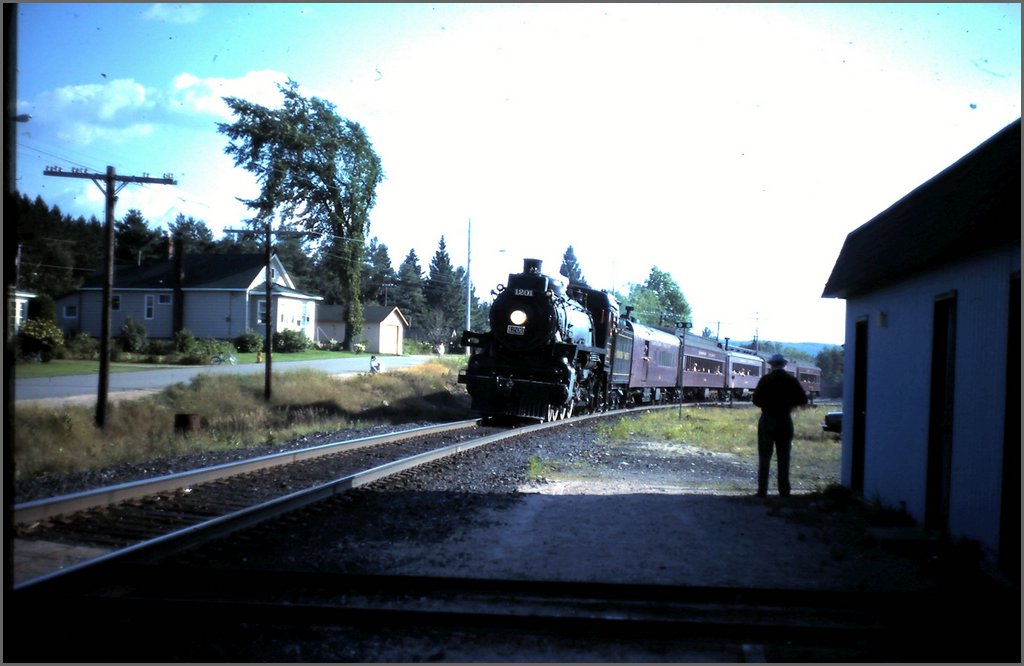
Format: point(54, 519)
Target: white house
point(17, 309)
point(383, 327)
point(211, 295)
point(931, 420)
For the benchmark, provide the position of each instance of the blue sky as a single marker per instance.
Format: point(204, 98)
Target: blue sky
point(733, 146)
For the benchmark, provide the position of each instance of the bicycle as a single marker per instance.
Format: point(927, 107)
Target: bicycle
point(226, 357)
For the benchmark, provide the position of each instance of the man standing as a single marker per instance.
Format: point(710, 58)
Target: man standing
point(776, 394)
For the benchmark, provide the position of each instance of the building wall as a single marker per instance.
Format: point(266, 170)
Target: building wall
point(898, 389)
point(386, 337)
point(212, 314)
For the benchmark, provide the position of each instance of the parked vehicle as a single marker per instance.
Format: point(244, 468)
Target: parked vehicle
point(833, 422)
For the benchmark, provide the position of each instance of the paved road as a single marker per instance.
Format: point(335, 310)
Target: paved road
point(41, 388)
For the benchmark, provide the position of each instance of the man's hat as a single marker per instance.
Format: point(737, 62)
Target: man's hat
point(778, 359)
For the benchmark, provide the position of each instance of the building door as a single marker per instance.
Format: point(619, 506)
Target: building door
point(1009, 516)
point(940, 414)
point(859, 407)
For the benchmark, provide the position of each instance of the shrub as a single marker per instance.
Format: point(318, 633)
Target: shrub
point(83, 346)
point(291, 342)
point(42, 307)
point(40, 338)
point(204, 350)
point(184, 341)
point(249, 342)
point(133, 338)
point(161, 347)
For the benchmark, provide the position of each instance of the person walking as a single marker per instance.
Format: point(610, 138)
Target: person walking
point(777, 393)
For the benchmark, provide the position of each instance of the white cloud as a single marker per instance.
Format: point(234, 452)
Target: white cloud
point(175, 13)
point(206, 96)
point(86, 134)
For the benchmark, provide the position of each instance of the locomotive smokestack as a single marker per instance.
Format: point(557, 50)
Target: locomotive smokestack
point(532, 265)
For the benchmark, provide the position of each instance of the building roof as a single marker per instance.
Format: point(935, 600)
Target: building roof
point(970, 207)
point(373, 314)
point(201, 271)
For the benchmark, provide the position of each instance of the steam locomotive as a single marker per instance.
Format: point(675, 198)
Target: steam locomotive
point(552, 352)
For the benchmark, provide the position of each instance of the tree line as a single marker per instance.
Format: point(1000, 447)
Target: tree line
point(57, 252)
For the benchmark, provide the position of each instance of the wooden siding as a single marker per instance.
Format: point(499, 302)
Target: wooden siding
point(898, 387)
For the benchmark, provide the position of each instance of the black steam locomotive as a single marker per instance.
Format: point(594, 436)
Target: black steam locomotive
point(552, 352)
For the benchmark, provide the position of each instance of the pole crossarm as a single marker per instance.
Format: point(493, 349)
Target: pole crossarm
point(166, 179)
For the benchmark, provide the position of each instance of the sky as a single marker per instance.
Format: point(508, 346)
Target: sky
point(733, 146)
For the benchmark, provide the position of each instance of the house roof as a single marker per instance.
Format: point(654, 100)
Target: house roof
point(201, 271)
point(373, 314)
point(970, 207)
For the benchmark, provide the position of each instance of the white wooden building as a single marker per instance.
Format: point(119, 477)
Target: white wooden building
point(383, 327)
point(931, 416)
point(212, 295)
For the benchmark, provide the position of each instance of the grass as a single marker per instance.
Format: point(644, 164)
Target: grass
point(815, 457)
point(233, 416)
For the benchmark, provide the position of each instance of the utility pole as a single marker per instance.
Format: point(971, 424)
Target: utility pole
point(110, 184)
point(469, 284)
point(269, 311)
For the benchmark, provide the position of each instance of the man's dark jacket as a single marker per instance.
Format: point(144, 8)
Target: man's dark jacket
point(778, 392)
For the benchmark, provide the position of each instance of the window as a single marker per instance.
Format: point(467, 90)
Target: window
point(71, 312)
point(261, 312)
point(164, 299)
point(115, 302)
point(150, 305)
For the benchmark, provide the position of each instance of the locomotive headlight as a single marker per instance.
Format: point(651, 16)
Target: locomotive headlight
point(517, 317)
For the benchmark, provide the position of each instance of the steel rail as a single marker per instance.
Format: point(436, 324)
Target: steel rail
point(51, 507)
point(226, 524)
point(43, 509)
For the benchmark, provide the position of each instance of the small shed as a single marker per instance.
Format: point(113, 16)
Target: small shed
point(383, 327)
point(931, 422)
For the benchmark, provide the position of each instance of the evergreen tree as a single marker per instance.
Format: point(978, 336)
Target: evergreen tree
point(247, 243)
point(196, 236)
point(57, 252)
point(135, 242)
point(379, 278)
point(571, 269)
point(408, 293)
point(444, 295)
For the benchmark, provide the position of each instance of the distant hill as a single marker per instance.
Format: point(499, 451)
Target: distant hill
point(809, 348)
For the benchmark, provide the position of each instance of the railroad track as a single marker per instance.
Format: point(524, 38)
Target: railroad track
point(197, 614)
point(147, 606)
point(181, 510)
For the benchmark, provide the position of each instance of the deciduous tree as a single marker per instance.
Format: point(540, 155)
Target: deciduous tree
point(317, 171)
